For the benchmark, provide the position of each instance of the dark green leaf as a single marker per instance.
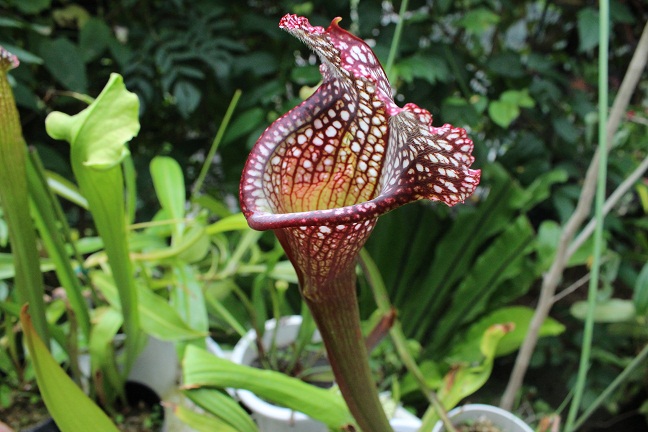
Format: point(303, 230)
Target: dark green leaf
point(306, 75)
point(640, 296)
point(32, 6)
point(588, 29)
point(243, 123)
point(64, 62)
point(187, 97)
point(479, 20)
point(93, 39)
point(506, 64)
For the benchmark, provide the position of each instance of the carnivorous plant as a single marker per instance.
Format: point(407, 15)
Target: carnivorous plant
point(322, 174)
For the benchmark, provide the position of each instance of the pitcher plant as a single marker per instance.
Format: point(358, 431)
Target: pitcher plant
point(322, 174)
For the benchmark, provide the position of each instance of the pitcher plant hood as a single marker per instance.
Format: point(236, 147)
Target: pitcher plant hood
point(347, 154)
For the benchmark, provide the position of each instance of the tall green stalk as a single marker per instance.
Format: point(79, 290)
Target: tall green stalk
point(14, 199)
point(215, 143)
point(374, 279)
point(599, 215)
point(393, 49)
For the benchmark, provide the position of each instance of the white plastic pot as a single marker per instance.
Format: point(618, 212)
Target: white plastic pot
point(499, 417)
point(271, 418)
point(156, 366)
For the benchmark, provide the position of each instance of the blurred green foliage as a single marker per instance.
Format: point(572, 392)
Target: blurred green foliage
point(519, 75)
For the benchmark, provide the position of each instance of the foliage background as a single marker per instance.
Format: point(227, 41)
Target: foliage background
point(520, 75)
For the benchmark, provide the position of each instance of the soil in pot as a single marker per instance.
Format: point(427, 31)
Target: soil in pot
point(25, 410)
point(143, 413)
point(312, 367)
point(480, 425)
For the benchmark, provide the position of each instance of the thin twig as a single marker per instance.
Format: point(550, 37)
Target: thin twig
point(552, 278)
point(571, 288)
point(624, 187)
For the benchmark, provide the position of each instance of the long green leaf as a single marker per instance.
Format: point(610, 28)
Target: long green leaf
point(222, 406)
point(204, 369)
point(103, 362)
point(49, 228)
point(170, 189)
point(15, 203)
point(235, 222)
point(202, 422)
point(466, 378)
point(158, 317)
point(70, 408)
point(472, 295)
point(520, 316)
point(188, 298)
point(66, 189)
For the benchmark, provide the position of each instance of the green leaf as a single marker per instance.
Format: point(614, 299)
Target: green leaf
point(169, 184)
point(93, 39)
point(243, 124)
point(158, 318)
point(503, 257)
point(98, 133)
point(519, 316)
point(97, 136)
point(70, 408)
point(640, 296)
point(32, 6)
point(503, 113)
point(306, 75)
point(14, 200)
point(479, 20)
point(53, 229)
point(520, 98)
point(428, 67)
point(588, 29)
point(63, 60)
point(203, 422)
point(507, 108)
point(466, 378)
point(235, 222)
point(188, 299)
point(506, 64)
point(547, 242)
point(187, 97)
point(66, 189)
point(107, 322)
point(222, 406)
point(203, 369)
point(608, 311)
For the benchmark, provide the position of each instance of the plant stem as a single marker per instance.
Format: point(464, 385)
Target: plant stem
point(638, 360)
point(214, 146)
point(335, 310)
point(398, 337)
point(552, 278)
point(598, 232)
point(393, 49)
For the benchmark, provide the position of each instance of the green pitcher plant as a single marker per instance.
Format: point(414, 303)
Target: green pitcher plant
point(322, 174)
point(14, 200)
